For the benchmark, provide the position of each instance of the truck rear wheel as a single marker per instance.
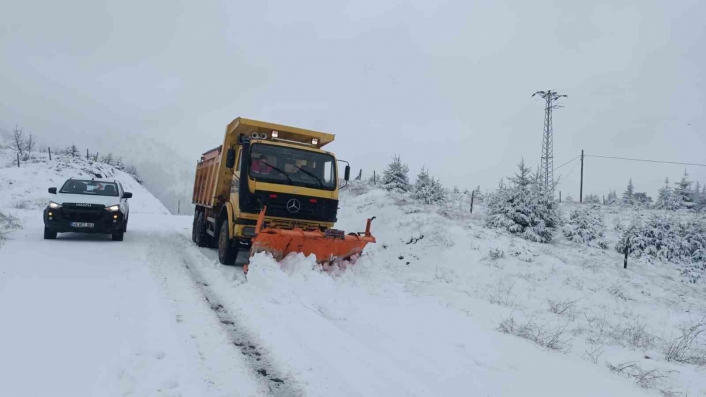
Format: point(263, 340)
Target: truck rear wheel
point(202, 238)
point(193, 226)
point(227, 253)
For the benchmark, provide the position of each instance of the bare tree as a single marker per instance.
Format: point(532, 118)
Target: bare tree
point(18, 141)
point(108, 159)
point(30, 143)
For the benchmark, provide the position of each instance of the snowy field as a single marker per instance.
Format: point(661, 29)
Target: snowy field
point(433, 309)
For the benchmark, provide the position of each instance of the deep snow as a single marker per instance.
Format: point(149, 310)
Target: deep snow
point(418, 314)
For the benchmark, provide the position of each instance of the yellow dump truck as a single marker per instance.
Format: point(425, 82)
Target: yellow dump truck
point(271, 188)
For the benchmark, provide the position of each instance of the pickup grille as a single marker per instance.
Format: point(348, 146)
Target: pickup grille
point(77, 212)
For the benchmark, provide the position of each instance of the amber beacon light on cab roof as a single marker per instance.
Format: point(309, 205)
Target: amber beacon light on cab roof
point(272, 188)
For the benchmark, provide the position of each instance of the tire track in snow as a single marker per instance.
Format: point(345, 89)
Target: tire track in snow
point(257, 358)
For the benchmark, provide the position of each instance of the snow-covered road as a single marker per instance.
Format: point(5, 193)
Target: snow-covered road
point(155, 315)
point(86, 316)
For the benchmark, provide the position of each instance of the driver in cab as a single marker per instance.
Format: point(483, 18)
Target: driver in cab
point(263, 164)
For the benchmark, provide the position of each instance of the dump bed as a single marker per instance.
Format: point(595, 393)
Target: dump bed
point(204, 183)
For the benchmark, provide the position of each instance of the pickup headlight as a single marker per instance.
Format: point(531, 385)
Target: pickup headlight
point(54, 205)
point(113, 208)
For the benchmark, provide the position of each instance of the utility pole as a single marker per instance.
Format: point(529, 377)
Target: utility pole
point(86, 154)
point(473, 196)
point(178, 206)
point(49, 154)
point(546, 170)
point(581, 191)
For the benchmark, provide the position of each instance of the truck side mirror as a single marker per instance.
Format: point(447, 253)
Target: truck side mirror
point(230, 158)
point(127, 195)
point(347, 174)
point(52, 190)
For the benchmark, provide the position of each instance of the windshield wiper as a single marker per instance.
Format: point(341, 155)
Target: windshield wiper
point(278, 170)
point(321, 183)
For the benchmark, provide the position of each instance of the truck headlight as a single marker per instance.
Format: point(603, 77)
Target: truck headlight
point(54, 205)
point(113, 208)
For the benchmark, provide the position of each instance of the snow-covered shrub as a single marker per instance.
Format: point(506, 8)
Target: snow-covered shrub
point(666, 238)
point(395, 176)
point(592, 199)
point(585, 226)
point(522, 209)
point(428, 189)
point(7, 223)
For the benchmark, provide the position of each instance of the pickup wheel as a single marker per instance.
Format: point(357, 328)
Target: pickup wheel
point(118, 236)
point(227, 253)
point(48, 234)
point(202, 238)
point(125, 225)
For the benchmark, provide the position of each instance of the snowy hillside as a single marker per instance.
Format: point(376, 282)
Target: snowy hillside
point(440, 306)
point(26, 187)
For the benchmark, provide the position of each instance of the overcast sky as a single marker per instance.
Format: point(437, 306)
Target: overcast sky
point(446, 85)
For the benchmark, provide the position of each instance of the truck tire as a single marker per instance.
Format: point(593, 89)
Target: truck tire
point(202, 238)
point(193, 226)
point(48, 234)
point(227, 253)
point(125, 225)
point(118, 236)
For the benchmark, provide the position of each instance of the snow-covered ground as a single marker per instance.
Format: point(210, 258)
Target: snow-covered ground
point(420, 313)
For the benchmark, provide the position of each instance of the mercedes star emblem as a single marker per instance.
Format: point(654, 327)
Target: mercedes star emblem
point(293, 206)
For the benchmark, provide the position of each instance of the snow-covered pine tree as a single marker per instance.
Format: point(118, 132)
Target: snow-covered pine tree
point(585, 226)
point(456, 190)
point(428, 189)
point(569, 199)
point(682, 196)
point(698, 198)
point(522, 209)
point(628, 198)
point(612, 198)
point(664, 197)
point(395, 176)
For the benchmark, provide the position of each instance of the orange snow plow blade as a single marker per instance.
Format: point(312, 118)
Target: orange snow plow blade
point(328, 247)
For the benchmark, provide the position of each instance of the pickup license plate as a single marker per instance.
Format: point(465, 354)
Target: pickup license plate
point(81, 224)
point(335, 233)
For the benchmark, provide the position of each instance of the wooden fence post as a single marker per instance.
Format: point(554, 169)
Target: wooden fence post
point(50, 154)
point(473, 196)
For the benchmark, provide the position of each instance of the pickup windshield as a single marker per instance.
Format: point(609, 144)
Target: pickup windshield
point(278, 164)
point(91, 188)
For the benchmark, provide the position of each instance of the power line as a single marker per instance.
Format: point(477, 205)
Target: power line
point(644, 160)
point(567, 162)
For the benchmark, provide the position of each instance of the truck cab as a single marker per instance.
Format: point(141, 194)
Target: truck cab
point(264, 165)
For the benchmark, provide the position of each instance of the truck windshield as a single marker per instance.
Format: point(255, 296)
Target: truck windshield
point(278, 164)
point(93, 188)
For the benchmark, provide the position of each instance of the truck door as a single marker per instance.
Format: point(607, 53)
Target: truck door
point(235, 182)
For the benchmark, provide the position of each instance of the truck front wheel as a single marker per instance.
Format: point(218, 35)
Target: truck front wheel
point(227, 253)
